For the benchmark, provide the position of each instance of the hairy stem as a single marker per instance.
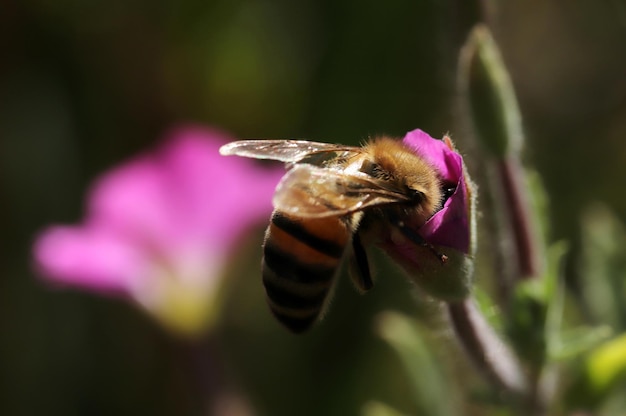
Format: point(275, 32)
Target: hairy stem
point(522, 226)
point(485, 348)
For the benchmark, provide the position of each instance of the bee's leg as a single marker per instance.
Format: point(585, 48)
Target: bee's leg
point(419, 240)
point(360, 269)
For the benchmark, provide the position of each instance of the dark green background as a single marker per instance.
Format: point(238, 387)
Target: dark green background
point(87, 84)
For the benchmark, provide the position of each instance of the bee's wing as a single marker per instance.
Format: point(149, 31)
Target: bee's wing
point(288, 151)
point(311, 192)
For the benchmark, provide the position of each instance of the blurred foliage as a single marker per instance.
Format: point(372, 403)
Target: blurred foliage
point(599, 379)
point(84, 85)
point(603, 258)
point(430, 390)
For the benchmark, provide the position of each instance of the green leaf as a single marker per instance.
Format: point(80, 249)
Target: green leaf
point(554, 293)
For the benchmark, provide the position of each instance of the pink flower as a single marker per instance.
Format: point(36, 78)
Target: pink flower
point(450, 230)
point(160, 228)
point(450, 226)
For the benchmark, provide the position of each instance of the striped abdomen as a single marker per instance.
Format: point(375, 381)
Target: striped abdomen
point(300, 260)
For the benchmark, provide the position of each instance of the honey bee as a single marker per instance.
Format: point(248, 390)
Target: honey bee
point(333, 202)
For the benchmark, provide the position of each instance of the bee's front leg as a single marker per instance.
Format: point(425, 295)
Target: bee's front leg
point(360, 265)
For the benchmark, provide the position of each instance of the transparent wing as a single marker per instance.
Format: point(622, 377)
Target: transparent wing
point(312, 192)
point(288, 151)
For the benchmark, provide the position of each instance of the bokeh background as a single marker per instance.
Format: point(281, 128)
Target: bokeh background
point(86, 85)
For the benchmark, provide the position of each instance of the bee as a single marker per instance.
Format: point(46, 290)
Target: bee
point(332, 203)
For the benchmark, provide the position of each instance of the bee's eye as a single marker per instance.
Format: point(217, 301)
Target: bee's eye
point(415, 195)
point(447, 192)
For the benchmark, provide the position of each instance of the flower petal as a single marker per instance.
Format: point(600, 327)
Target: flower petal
point(447, 162)
point(219, 196)
point(449, 227)
point(186, 193)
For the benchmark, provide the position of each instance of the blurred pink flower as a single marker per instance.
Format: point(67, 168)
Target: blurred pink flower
point(450, 230)
point(159, 228)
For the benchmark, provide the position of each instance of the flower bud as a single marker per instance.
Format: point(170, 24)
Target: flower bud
point(488, 95)
point(450, 231)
